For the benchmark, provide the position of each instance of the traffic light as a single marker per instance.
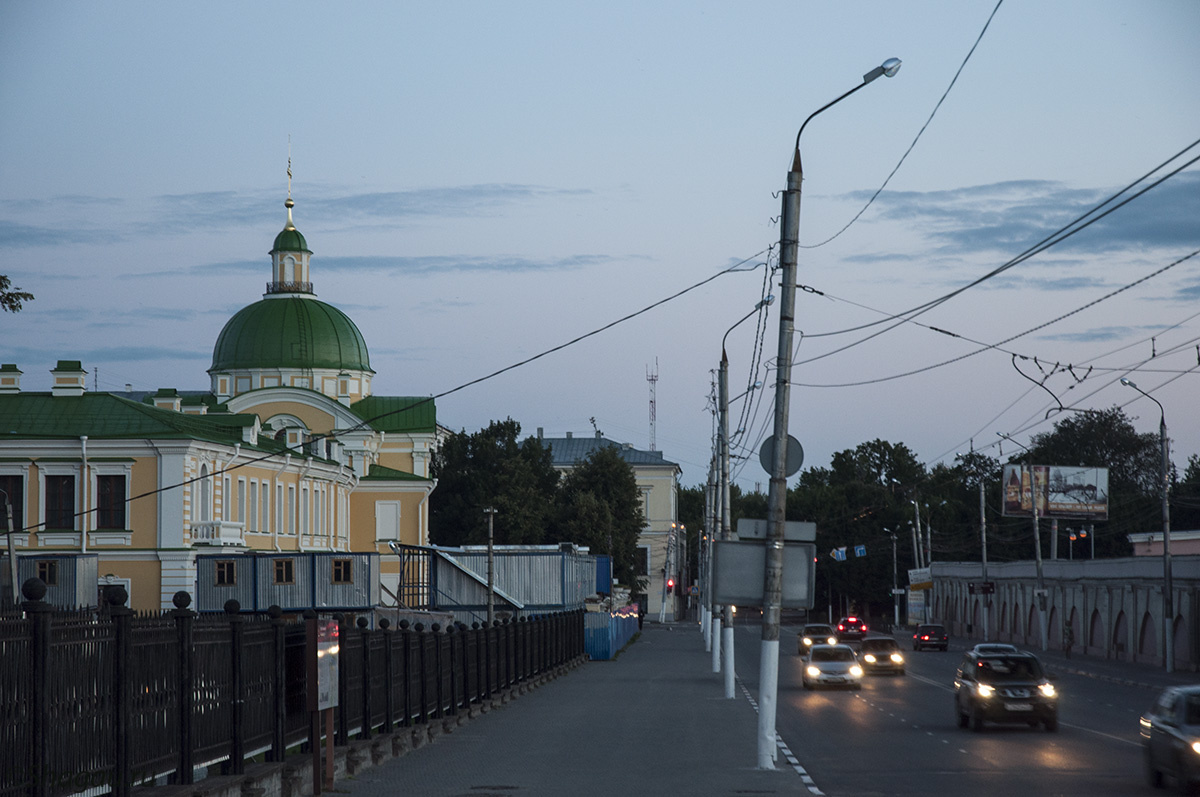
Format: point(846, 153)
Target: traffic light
point(670, 583)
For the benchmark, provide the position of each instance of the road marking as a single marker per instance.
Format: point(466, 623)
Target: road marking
point(1100, 733)
point(794, 762)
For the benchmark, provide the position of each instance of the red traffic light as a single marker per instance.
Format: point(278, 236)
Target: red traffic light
point(670, 583)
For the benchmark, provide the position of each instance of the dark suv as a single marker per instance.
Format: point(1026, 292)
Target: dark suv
point(851, 629)
point(1004, 687)
point(930, 636)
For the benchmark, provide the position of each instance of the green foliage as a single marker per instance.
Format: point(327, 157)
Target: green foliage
point(599, 505)
point(11, 298)
point(491, 469)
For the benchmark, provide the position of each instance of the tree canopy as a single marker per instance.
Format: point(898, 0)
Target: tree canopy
point(11, 299)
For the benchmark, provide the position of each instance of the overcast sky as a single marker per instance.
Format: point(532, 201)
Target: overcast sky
point(482, 182)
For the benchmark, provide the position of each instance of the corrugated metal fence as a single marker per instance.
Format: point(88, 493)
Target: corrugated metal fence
point(606, 633)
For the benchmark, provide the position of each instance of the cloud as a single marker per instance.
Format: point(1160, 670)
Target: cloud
point(1009, 217)
point(13, 234)
point(1098, 334)
point(438, 264)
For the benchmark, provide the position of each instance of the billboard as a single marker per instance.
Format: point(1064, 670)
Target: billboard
point(1061, 492)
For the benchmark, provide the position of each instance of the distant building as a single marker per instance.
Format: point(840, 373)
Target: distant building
point(658, 481)
point(1183, 543)
point(287, 454)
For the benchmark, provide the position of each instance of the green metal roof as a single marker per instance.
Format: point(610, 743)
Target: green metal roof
point(290, 240)
point(290, 332)
point(397, 413)
point(103, 415)
point(380, 473)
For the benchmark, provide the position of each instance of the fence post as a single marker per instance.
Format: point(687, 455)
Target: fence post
point(121, 616)
point(342, 734)
point(185, 623)
point(389, 702)
point(406, 670)
point(279, 725)
point(38, 612)
point(453, 667)
point(364, 636)
point(236, 741)
point(466, 664)
point(436, 628)
point(423, 714)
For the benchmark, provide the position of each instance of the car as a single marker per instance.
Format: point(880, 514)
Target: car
point(1170, 732)
point(1004, 687)
point(815, 634)
point(881, 654)
point(851, 629)
point(995, 647)
point(832, 665)
point(930, 636)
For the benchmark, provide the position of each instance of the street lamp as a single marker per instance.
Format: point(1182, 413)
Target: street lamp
point(895, 588)
point(1037, 543)
point(1168, 603)
point(789, 238)
point(725, 640)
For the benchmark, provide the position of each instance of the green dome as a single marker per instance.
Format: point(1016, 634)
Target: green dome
point(290, 240)
point(290, 332)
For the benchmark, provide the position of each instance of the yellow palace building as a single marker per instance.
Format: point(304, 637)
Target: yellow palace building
point(288, 460)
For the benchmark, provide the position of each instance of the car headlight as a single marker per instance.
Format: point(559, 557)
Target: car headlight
point(813, 672)
point(831, 641)
point(1196, 747)
point(896, 657)
point(1047, 689)
point(986, 691)
point(856, 671)
point(869, 658)
point(1144, 727)
point(807, 641)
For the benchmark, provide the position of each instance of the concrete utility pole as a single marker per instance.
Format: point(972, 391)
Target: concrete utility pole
point(987, 598)
point(1168, 605)
point(727, 665)
point(491, 615)
point(12, 553)
point(777, 492)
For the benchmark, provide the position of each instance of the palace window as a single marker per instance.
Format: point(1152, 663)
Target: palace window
point(60, 502)
point(14, 488)
point(110, 502)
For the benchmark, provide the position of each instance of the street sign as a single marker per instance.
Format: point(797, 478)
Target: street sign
point(793, 530)
point(738, 569)
point(795, 455)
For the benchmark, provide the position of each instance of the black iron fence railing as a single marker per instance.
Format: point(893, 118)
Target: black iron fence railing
point(113, 699)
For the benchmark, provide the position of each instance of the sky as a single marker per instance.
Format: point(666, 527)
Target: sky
point(482, 183)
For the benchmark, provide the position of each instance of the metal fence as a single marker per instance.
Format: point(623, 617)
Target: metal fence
point(105, 701)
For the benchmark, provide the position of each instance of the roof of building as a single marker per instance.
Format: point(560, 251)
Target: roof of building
point(290, 331)
point(397, 413)
point(380, 473)
point(107, 416)
point(290, 240)
point(571, 450)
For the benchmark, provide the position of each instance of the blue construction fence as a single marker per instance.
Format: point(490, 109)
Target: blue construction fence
point(605, 633)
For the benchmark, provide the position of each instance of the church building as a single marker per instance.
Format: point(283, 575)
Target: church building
point(287, 477)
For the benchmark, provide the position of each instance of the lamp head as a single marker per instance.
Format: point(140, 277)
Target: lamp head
point(1128, 383)
point(887, 69)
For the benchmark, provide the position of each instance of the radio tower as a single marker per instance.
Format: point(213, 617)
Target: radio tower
point(652, 378)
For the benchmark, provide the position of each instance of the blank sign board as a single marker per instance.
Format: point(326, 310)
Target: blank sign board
point(738, 569)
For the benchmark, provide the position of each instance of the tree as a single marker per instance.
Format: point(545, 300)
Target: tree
point(11, 299)
point(490, 469)
point(599, 505)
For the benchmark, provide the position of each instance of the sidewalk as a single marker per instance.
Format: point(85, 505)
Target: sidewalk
point(653, 722)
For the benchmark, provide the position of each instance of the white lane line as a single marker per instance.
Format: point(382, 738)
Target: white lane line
point(794, 762)
point(1101, 733)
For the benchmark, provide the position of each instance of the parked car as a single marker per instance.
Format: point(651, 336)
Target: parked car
point(1171, 737)
point(814, 634)
point(1004, 687)
point(832, 665)
point(881, 654)
point(851, 629)
point(930, 636)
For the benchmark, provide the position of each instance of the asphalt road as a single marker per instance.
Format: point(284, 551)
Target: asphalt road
point(898, 735)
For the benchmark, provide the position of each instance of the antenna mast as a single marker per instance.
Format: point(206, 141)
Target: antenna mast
point(652, 378)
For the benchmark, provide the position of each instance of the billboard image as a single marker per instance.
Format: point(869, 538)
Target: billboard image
point(1062, 492)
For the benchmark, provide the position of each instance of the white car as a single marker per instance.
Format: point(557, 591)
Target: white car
point(832, 665)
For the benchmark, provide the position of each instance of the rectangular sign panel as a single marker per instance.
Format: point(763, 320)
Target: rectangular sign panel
point(1062, 492)
point(738, 569)
point(793, 530)
point(920, 578)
